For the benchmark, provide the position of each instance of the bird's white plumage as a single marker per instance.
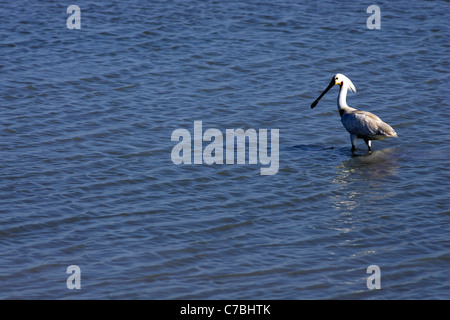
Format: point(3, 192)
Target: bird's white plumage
point(350, 86)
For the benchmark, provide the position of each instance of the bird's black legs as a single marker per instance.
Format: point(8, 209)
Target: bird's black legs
point(353, 139)
point(369, 144)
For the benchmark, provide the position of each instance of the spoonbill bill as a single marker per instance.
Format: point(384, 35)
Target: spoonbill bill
point(360, 124)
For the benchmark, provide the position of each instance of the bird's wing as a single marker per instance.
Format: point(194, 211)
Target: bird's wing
point(366, 124)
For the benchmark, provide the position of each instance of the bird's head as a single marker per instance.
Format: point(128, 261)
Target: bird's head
point(339, 79)
point(342, 80)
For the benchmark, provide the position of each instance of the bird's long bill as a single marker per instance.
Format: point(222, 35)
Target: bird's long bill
point(332, 83)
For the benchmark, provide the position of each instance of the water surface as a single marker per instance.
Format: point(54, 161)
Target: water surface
point(87, 179)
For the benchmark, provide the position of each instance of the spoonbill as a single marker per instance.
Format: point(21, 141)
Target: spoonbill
point(360, 124)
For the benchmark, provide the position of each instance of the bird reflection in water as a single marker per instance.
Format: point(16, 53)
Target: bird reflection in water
point(362, 179)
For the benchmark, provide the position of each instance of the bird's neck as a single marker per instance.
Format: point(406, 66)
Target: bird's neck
point(342, 100)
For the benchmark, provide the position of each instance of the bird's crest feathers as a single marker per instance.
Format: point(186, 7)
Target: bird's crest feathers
point(347, 81)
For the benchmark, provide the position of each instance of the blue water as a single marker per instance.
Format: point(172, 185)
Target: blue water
point(87, 179)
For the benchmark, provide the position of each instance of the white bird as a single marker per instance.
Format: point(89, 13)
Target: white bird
point(360, 124)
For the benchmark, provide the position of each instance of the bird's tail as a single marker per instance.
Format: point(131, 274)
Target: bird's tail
point(387, 131)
